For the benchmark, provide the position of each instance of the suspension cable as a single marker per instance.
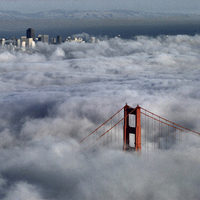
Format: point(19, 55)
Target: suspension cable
point(111, 127)
point(102, 125)
point(182, 127)
point(163, 122)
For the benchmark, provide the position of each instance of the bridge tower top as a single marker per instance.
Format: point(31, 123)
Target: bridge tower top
point(132, 130)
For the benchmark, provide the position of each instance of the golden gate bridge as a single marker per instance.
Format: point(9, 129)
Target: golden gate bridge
point(141, 128)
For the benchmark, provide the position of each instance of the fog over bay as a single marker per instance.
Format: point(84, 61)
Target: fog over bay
point(51, 98)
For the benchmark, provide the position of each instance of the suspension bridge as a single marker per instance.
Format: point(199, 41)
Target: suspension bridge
point(135, 129)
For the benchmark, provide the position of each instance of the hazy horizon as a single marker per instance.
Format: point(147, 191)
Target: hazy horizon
point(167, 6)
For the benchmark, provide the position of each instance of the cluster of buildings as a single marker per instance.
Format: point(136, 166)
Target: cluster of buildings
point(30, 40)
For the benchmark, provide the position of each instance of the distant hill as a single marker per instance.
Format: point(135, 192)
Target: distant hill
point(75, 14)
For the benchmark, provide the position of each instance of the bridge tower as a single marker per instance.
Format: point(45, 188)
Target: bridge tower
point(132, 130)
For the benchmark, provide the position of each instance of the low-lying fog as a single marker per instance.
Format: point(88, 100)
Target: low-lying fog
point(52, 98)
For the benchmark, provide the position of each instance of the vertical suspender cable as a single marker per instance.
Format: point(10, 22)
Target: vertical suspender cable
point(159, 134)
point(145, 133)
point(111, 132)
point(153, 132)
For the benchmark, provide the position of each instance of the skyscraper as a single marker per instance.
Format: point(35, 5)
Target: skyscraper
point(30, 33)
point(53, 40)
point(29, 42)
point(59, 39)
point(23, 39)
point(43, 38)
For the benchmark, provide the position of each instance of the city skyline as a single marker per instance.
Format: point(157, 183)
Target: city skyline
point(29, 41)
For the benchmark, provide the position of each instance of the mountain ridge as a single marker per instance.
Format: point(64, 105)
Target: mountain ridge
point(90, 14)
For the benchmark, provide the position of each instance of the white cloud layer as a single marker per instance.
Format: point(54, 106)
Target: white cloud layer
point(52, 98)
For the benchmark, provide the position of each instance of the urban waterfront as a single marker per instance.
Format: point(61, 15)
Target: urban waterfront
point(18, 40)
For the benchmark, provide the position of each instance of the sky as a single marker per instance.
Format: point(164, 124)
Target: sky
point(52, 98)
point(164, 6)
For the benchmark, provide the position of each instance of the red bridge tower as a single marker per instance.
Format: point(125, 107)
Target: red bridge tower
point(132, 130)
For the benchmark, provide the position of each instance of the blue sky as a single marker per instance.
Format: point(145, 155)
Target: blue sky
point(164, 6)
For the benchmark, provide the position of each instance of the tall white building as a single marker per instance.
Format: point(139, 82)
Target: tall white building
point(18, 43)
point(43, 38)
point(23, 45)
point(23, 39)
point(29, 42)
point(53, 41)
point(33, 44)
point(2, 41)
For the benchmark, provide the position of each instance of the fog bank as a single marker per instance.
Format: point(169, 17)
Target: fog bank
point(52, 98)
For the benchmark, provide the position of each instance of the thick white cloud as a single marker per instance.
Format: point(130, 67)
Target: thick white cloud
point(52, 98)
